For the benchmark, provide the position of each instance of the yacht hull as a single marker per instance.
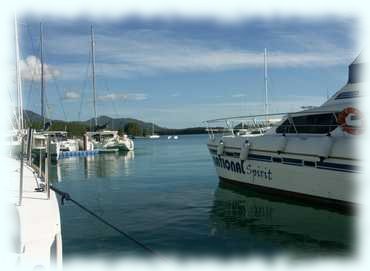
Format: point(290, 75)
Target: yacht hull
point(299, 181)
point(122, 146)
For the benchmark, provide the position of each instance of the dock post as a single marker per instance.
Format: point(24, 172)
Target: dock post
point(85, 142)
point(21, 173)
point(29, 145)
point(40, 163)
point(47, 165)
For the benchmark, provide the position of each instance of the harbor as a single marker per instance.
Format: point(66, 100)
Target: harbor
point(165, 195)
point(138, 161)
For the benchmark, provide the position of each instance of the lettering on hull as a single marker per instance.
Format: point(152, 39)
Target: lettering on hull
point(243, 168)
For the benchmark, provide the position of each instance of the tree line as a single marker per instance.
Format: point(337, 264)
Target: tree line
point(78, 129)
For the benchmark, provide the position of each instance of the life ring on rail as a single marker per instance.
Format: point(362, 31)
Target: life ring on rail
point(342, 121)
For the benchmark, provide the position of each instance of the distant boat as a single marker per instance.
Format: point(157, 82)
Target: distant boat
point(153, 135)
point(169, 137)
point(105, 140)
point(59, 140)
point(175, 137)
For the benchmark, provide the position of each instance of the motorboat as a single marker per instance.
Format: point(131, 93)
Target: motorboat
point(310, 154)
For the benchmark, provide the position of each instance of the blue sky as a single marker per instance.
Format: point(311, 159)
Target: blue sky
point(178, 73)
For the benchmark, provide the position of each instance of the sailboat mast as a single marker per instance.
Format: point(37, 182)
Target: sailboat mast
point(266, 86)
point(18, 78)
point(93, 73)
point(42, 74)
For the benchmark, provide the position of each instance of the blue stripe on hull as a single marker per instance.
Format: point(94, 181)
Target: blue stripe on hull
point(296, 162)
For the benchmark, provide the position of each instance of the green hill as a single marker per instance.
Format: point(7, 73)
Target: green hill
point(78, 128)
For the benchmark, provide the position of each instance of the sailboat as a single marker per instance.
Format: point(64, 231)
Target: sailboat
point(14, 136)
point(36, 232)
point(153, 135)
point(59, 140)
point(254, 127)
point(102, 139)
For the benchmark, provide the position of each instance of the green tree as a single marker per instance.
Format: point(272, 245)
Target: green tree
point(133, 129)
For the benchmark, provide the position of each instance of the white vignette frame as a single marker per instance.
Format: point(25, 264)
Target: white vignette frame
point(224, 11)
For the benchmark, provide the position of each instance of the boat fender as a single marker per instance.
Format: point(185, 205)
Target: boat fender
point(329, 144)
point(347, 127)
point(284, 144)
point(244, 151)
point(220, 148)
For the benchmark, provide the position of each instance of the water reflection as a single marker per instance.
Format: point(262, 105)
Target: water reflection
point(103, 165)
point(285, 226)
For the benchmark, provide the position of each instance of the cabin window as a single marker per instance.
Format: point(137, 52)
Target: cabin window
point(309, 124)
point(348, 95)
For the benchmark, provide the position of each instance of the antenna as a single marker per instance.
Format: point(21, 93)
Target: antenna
point(266, 86)
point(93, 73)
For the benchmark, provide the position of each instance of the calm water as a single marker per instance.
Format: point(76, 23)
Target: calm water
point(167, 195)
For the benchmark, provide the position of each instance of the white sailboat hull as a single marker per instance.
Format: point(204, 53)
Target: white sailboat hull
point(126, 145)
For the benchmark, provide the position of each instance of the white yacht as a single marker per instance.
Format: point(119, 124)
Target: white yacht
point(309, 154)
point(108, 141)
point(58, 143)
point(104, 140)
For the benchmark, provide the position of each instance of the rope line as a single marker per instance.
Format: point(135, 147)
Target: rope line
point(66, 197)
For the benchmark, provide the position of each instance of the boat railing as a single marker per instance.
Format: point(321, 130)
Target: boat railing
point(26, 159)
point(260, 123)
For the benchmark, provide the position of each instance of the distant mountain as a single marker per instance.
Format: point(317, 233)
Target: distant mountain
point(30, 116)
point(116, 124)
point(120, 123)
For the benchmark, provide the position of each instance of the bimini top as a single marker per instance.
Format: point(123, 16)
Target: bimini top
point(354, 70)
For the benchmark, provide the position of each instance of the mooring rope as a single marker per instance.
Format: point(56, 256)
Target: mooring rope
point(66, 197)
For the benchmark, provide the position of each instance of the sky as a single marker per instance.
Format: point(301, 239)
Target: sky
point(178, 73)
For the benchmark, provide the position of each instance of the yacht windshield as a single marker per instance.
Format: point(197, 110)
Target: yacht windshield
point(309, 124)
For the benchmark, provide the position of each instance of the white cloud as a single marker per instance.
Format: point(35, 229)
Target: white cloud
point(71, 95)
point(31, 69)
point(136, 53)
point(123, 96)
point(238, 95)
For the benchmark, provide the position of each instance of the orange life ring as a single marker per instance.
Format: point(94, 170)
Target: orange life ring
point(341, 120)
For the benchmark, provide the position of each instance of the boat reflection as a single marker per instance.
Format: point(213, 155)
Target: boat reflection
point(289, 227)
point(108, 164)
point(102, 165)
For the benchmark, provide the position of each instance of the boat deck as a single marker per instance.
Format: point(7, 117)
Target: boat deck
point(38, 219)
